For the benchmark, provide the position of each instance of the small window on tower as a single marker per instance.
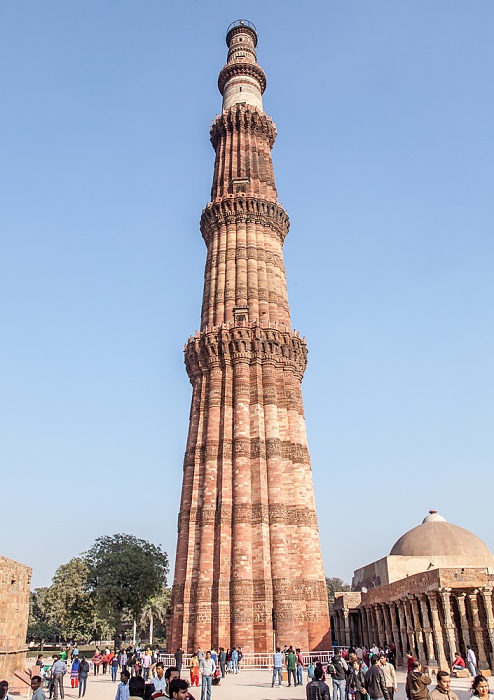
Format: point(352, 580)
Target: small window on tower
point(240, 88)
point(241, 314)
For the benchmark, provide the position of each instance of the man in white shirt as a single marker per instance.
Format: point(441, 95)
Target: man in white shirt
point(389, 676)
point(471, 660)
point(207, 667)
point(159, 680)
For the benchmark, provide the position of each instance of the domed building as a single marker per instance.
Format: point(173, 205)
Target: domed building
point(432, 595)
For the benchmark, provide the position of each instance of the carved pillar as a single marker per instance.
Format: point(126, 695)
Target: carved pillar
point(418, 628)
point(365, 629)
point(429, 642)
point(393, 607)
point(346, 626)
point(445, 594)
point(465, 632)
point(437, 633)
point(388, 630)
point(370, 626)
point(477, 629)
point(487, 598)
point(380, 626)
point(403, 627)
point(336, 631)
point(409, 623)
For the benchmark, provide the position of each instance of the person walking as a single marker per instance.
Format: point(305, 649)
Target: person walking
point(114, 664)
point(123, 690)
point(277, 667)
point(300, 667)
point(471, 660)
point(58, 671)
point(194, 669)
point(374, 680)
point(389, 676)
point(316, 689)
point(480, 688)
point(207, 667)
point(417, 682)
point(159, 680)
point(178, 658)
point(356, 680)
point(235, 660)
point(83, 674)
point(338, 669)
point(146, 664)
point(97, 660)
point(291, 665)
point(443, 689)
point(74, 672)
point(222, 660)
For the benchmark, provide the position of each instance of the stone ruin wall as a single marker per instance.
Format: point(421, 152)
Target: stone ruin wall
point(15, 580)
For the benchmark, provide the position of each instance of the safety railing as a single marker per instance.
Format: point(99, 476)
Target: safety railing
point(255, 661)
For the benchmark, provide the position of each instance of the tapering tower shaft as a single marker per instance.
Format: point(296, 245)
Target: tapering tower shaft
point(248, 555)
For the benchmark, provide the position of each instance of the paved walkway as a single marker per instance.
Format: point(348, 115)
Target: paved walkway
point(247, 685)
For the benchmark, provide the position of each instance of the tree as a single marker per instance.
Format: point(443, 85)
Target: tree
point(124, 573)
point(335, 585)
point(42, 625)
point(155, 609)
point(70, 601)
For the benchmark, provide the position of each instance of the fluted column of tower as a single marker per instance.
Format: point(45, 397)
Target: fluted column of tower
point(248, 555)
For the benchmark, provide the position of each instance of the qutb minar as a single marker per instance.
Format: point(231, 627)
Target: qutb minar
point(248, 569)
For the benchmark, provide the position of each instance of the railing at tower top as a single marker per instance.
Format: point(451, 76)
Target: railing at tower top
point(241, 23)
point(255, 661)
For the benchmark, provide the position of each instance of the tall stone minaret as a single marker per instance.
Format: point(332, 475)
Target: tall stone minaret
point(248, 558)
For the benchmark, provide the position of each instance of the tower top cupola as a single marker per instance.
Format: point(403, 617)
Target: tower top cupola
point(242, 80)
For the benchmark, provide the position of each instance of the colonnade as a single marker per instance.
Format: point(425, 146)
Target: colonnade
point(433, 625)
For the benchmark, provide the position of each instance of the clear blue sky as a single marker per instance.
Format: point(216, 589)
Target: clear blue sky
point(385, 164)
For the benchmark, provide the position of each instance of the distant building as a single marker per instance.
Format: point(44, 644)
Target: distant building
point(432, 595)
point(14, 612)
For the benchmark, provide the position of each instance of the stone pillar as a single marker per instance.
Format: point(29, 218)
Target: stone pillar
point(409, 625)
point(403, 627)
point(437, 633)
point(336, 631)
point(418, 628)
point(365, 629)
point(445, 594)
point(388, 630)
point(370, 624)
point(346, 626)
point(477, 630)
point(380, 626)
point(429, 642)
point(393, 607)
point(465, 632)
point(487, 598)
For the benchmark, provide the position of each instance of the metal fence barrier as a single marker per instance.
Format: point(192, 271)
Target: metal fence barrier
point(255, 661)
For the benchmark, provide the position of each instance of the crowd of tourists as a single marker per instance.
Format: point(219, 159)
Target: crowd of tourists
point(139, 669)
point(354, 674)
point(370, 674)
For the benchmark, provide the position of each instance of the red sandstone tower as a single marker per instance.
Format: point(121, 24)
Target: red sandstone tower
point(248, 556)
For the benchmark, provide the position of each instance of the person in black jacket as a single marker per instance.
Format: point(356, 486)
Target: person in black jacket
point(316, 689)
point(338, 669)
point(375, 681)
point(356, 680)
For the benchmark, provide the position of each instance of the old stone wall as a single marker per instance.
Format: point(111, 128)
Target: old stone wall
point(14, 611)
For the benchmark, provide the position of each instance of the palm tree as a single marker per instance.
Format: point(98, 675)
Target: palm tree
point(155, 609)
